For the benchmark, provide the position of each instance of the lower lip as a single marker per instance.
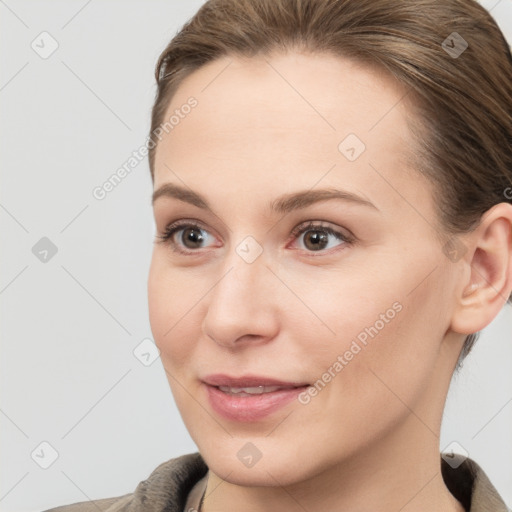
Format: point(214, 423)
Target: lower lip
point(250, 408)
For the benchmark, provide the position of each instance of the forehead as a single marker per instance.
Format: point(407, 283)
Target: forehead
point(265, 119)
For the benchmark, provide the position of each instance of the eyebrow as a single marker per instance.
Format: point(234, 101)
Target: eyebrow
point(284, 204)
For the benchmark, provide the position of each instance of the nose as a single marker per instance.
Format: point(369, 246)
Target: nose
point(243, 304)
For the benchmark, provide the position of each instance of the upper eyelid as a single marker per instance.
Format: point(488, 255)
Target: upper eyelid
point(183, 223)
point(297, 231)
point(319, 223)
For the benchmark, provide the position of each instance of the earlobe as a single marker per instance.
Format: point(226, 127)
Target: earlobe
point(489, 280)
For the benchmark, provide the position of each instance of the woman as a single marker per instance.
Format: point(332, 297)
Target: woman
point(332, 195)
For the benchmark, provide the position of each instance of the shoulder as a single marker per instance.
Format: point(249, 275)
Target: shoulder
point(166, 488)
point(469, 483)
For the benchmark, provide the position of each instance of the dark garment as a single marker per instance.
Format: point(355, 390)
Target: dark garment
point(169, 486)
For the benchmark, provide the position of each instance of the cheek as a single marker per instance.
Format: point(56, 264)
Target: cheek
point(345, 305)
point(159, 301)
point(371, 324)
point(378, 361)
point(171, 299)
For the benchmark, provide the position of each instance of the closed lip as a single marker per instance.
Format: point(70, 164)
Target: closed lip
point(246, 381)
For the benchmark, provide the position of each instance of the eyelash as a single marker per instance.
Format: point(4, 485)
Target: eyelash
point(174, 227)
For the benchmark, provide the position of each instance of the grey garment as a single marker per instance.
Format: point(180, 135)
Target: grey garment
point(195, 496)
point(169, 486)
point(165, 490)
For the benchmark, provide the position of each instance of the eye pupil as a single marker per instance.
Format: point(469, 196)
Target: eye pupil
point(319, 239)
point(193, 235)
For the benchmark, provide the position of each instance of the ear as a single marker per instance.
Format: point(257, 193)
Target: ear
point(487, 284)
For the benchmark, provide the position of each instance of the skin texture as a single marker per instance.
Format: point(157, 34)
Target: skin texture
point(369, 440)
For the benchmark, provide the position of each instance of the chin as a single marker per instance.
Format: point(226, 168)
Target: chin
point(277, 465)
point(272, 474)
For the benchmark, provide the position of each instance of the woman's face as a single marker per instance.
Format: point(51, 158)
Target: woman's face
point(359, 302)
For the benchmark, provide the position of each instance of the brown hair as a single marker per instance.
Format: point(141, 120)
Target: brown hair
point(462, 96)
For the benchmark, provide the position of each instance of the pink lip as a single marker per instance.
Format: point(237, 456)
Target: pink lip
point(249, 408)
point(219, 379)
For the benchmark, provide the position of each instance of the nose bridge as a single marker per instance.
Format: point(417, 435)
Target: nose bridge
point(244, 272)
point(241, 302)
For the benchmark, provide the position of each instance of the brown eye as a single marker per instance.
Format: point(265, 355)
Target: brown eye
point(189, 237)
point(318, 237)
point(192, 236)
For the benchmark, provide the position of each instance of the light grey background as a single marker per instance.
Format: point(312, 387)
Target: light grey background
point(69, 326)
